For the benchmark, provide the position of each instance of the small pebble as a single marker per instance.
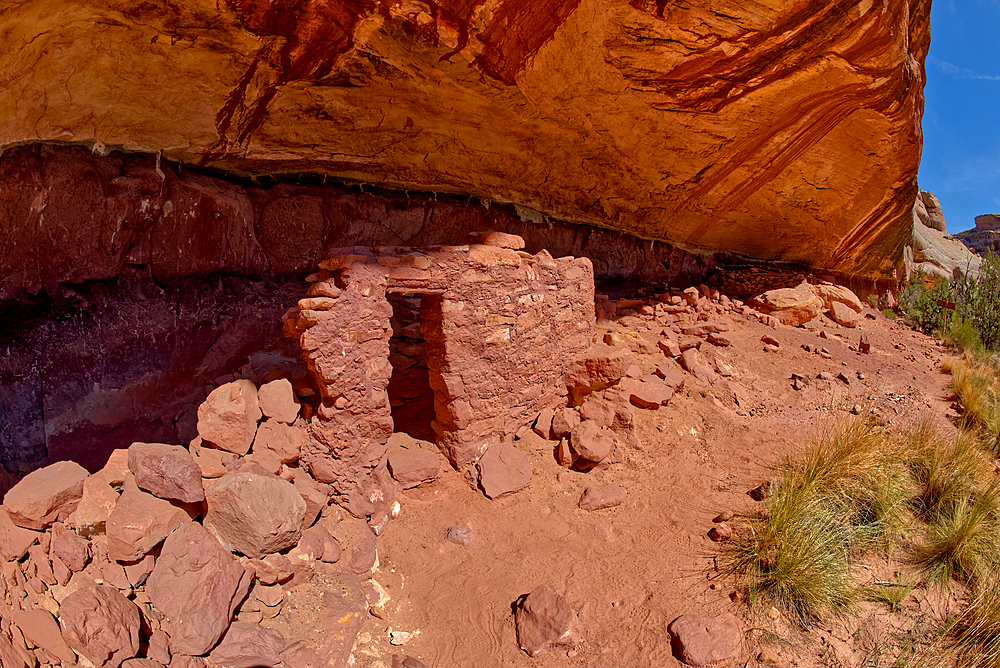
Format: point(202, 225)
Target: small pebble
point(721, 532)
point(735, 596)
point(461, 535)
point(773, 613)
point(724, 516)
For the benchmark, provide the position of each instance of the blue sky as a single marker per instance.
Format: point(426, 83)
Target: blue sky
point(961, 157)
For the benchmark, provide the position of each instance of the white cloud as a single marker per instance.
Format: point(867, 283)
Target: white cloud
point(960, 72)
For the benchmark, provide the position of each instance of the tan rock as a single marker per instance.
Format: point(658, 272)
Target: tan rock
point(844, 315)
point(650, 393)
point(166, 471)
point(277, 401)
point(45, 495)
point(195, 584)
point(96, 505)
point(564, 421)
point(228, 417)
point(838, 293)
point(101, 624)
point(792, 306)
point(545, 621)
point(498, 239)
point(254, 514)
point(115, 470)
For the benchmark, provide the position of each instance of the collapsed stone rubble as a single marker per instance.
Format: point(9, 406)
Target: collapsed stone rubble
point(207, 554)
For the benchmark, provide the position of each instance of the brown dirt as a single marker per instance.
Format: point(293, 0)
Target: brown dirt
point(630, 570)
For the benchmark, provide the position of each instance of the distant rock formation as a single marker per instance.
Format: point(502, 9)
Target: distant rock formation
point(986, 234)
point(936, 253)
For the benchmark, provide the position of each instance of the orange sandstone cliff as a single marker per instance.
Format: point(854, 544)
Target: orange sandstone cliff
point(776, 129)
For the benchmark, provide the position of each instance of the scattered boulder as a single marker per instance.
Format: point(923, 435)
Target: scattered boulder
point(140, 521)
point(838, 294)
point(166, 471)
point(248, 646)
point(503, 470)
point(228, 417)
point(599, 367)
point(719, 340)
point(41, 628)
point(543, 424)
point(705, 641)
point(590, 444)
point(844, 315)
point(277, 401)
point(565, 421)
point(100, 624)
point(414, 465)
point(791, 306)
point(545, 621)
point(598, 497)
point(285, 441)
point(70, 548)
point(196, 584)
point(650, 393)
point(254, 513)
point(45, 495)
point(864, 346)
point(95, 507)
point(14, 540)
point(769, 340)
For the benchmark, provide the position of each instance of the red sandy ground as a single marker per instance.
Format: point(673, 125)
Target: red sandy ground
point(630, 570)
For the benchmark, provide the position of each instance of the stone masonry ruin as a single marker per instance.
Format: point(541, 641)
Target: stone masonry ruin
point(500, 328)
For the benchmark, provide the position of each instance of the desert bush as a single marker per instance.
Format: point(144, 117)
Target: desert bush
point(919, 303)
point(978, 300)
point(962, 334)
point(962, 538)
point(976, 383)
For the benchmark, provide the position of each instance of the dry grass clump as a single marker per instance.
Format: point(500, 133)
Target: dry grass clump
point(976, 384)
point(854, 493)
point(846, 497)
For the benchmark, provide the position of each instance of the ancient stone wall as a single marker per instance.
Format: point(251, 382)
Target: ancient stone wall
point(501, 328)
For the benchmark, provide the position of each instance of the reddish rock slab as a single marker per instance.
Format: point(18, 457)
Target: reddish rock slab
point(864, 345)
point(598, 497)
point(166, 471)
point(14, 540)
point(277, 401)
point(284, 440)
point(503, 470)
point(255, 514)
point(650, 393)
point(545, 621)
point(543, 424)
point(792, 306)
point(140, 521)
point(141, 663)
point(414, 465)
point(228, 417)
point(706, 641)
point(599, 367)
point(497, 239)
point(101, 624)
point(591, 443)
point(71, 549)
point(248, 646)
point(45, 495)
point(194, 584)
point(41, 628)
point(719, 340)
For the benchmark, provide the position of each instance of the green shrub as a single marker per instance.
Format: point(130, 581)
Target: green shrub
point(963, 335)
point(978, 300)
point(919, 303)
